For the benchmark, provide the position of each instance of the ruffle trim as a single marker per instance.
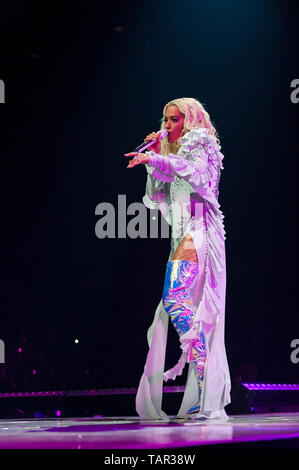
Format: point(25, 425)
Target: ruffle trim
point(208, 141)
point(210, 156)
point(200, 168)
point(154, 189)
point(166, 178)
point(149, 203)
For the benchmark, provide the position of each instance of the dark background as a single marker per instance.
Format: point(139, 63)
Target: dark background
point(84, 84)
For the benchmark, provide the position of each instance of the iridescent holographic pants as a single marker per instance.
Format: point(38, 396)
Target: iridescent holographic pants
point(177, 300)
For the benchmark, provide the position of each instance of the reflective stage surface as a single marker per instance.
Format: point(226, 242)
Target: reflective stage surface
point(131, 433)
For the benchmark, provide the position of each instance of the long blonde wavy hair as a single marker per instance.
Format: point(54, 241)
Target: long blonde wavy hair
point(195, 117)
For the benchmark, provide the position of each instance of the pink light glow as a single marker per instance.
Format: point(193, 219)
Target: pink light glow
point(251, 386)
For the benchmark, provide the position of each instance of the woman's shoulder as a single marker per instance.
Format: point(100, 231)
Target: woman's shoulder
point(202, 135)
point(202, 139)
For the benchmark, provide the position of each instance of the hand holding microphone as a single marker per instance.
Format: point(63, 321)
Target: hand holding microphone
point(151, 142)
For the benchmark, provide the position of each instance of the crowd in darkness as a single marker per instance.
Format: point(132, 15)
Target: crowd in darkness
point(40, 362)
point(43, 362)
point(41, 352)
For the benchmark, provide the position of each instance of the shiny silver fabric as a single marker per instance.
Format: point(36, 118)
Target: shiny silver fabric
point(177, 300)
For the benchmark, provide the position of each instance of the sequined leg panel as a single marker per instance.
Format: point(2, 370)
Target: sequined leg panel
point(199, 356)
point(179, 278)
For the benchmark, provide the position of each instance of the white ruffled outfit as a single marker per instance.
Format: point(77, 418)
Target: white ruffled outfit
point(185, 189)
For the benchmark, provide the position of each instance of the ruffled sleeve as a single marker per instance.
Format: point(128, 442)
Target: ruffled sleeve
point(155, 190)
point(191, 163)
point(150, 196)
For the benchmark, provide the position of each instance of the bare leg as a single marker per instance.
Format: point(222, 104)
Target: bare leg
point(186, 250)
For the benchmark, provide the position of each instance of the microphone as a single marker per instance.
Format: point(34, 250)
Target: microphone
point(162, 134)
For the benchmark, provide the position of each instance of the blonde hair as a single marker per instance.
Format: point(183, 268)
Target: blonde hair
point(195, 117)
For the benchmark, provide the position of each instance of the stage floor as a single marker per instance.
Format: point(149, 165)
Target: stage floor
point(131, 433)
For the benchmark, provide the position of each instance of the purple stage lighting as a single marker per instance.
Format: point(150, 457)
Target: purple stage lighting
point(251, 386)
